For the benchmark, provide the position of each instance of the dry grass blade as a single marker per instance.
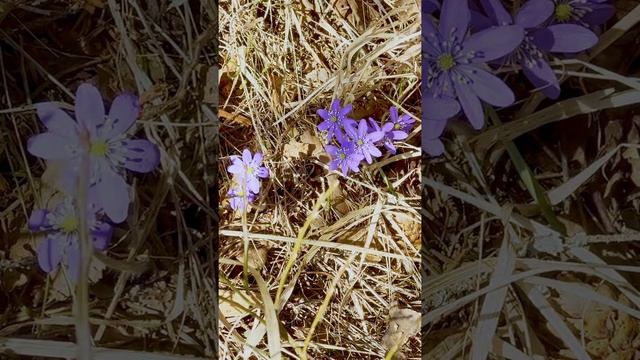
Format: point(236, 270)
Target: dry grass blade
point(493, 301)
point(555, 321)
point(271, 318)
point(67, 350)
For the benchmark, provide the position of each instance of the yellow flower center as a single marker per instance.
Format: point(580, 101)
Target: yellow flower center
point(341, 156)
point(250, 170)
point(99, 148)
point(360, 142)
point(563, 12)
point(69, 224)
point(333, 118)
point(397, 126)
point(446, 62)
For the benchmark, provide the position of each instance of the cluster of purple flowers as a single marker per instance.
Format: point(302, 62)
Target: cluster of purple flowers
point(461, 45)
point(349, 142)
point(247, 172)
point(102, 138)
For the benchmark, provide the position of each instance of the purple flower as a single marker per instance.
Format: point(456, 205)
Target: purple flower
point(110, 149)
point(238, 200)
point(403, 123)
point(540, 40)
point(60, 244)
point(335, 119)
point(589, 13)
point(344, 157)
point(364, 141)
point(248, 168)
point(247, 172)
point(454, 62)
point(390, 131)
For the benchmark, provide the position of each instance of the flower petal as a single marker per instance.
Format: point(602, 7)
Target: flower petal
point(534, 13)
point(488, 87)
point(480, 22)
point(335, 105)
point(430, 39)
point(323, 113)
point(38, 220)
point(113, 193)
point(52, 146)
point(429, 6)
point(57, 120)
point(496, 11)
point(142, 155)
point(432, 129)
point(253, 184)
point(49, 252)
point(346, 110)
point(246, 156)
point(393, 114)
point(123, 113)
point(235, 168)
point(101, 235)
point(599, 14)
point(89, 108)
point(257, 159)
point(375, 136)
point(542, 76)
point(565, 38)
point(374, 151)
point(470, 104)
point(263, 172)
point(398, 135)
point(493, 43)
point(439, 108)
point(433, 147)
point(351, 131)
point(454, 19)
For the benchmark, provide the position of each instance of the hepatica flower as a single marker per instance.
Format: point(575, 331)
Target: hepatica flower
point(392, 132)
point(540, 40)
point(454, 64)
point(589, 13)
point(238, 200)
point(344, 156)
point(335, 119)
point(111, 151)
point(402, 123)
point(60, 244)
point(247, 172)
point(354, 141)
point(364, 142)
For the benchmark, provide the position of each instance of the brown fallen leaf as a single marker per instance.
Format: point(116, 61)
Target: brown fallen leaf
point(256, 257)
point(403, 324)
point(235, 118)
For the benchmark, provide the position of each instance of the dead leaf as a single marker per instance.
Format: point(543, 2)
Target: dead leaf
point(256, 257)
point(234, 304)
point(317, 76)
point(403, 324)
point(235, 118)
point(296, 150)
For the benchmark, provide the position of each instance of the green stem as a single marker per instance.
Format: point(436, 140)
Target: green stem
point(536, 191)
point(83, 329)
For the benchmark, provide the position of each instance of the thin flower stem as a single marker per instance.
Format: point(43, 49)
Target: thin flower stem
point(245, 238)
point(83, 329)
point(298, 244)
